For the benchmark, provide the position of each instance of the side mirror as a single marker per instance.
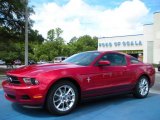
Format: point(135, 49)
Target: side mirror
point(104, 63)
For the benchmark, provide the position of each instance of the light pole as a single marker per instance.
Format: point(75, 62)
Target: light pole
point(26, 32)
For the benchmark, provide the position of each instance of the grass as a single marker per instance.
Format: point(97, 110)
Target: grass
point(156, 65)
point(3, 71)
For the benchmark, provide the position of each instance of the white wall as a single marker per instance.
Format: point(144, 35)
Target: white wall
point(148, 43)
point(156, 47)
point(130, 42)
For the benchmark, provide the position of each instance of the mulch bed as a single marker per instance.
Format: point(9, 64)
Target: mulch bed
point(3, 71)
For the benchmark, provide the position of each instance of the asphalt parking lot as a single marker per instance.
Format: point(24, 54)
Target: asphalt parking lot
point(123, 107)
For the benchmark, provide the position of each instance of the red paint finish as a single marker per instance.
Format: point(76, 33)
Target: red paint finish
point(93, 79)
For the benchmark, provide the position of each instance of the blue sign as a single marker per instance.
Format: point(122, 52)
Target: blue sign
point(122, 43)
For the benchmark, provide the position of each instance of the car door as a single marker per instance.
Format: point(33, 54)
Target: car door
point(115, 77)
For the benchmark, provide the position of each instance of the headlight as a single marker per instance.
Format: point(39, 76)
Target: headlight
point(30, 81)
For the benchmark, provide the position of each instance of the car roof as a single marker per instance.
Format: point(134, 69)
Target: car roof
point(60, 56)
point(109, 52)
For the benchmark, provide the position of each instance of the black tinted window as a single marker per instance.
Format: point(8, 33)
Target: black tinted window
point(134, 60)
point(115, 59)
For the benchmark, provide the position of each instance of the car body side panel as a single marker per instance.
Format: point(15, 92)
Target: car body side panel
point(137, 70)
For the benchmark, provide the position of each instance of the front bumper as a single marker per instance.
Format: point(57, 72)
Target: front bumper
point(26, 95)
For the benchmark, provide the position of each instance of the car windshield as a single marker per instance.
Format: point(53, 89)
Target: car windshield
point(84, 58)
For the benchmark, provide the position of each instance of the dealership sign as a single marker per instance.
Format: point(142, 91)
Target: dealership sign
point(120, 43)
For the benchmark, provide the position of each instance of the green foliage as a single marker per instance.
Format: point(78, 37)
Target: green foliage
point(50, 49)
point(54, 34)
point(83, 43)
point(11, 50)
point(4, 70)
point(12, 16)
point(51, 35)
point(58, 32)
point(54, 47)
point(156, 65)
point(47, 50)
point(43, 57)
point(12, 22)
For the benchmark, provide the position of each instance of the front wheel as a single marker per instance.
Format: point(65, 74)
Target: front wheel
point(142, 88)
point(62, 98)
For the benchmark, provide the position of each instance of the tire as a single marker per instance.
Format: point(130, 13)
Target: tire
point(142, 88)
point(62, 98)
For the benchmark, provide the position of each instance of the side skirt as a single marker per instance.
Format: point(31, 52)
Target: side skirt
point(85, 99)
point(107, 91)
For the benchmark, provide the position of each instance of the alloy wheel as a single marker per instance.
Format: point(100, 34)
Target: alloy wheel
point(64, 98)
point(143, 86)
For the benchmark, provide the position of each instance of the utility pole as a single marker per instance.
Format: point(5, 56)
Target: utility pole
point(26, 32)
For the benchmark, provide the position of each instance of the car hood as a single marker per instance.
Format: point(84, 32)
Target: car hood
point(34, 70)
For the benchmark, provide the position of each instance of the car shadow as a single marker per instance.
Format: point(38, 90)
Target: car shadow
point(89, 107)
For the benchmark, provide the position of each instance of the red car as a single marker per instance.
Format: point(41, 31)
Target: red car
point(59, 87)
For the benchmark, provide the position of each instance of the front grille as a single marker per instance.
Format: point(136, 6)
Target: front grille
point(25, 97)
point(11, 96)
point(13, 79)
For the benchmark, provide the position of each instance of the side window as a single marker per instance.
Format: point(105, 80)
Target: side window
point(134, 60)
point(115, 59)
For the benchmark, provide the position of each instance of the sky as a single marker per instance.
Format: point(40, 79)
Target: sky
point(101, 18)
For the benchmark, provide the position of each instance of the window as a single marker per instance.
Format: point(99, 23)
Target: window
point(115, 59)
point(134, 60)
point(84, 58)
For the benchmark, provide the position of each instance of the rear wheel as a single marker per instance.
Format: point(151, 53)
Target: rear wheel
point(142, 87)
point(62, 98)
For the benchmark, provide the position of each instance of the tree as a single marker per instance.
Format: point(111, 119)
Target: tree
point(12, 27)
point(58, 32)
point(35, 37)
point(53, 47)
point(12, 15)
point(83, 43)
point(11, 50)
point(51, 35)
point(54, 34)
point(50, 48)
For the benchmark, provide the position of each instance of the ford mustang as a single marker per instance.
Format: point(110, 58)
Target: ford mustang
point(60, 87)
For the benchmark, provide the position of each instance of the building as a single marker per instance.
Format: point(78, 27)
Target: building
point(144, 46)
